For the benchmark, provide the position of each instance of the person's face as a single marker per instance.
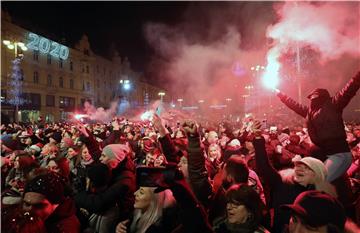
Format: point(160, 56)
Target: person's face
point(183, 165)
point(236, 213)
point(71, 153)
point(212, 137)
point(143, 198)
point(295, 226)
point(52, 166)
point(85, 155)
point(51, 140)
point(214, 152)
point(16, 163)
point(45, 150)
point(28, 141)
point(130, 136)
point(179, 134)
point(159, 161)
point(303, 174)
point(150, 159)
point(38, 204)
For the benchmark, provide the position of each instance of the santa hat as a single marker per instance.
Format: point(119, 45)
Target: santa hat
point(37, 147)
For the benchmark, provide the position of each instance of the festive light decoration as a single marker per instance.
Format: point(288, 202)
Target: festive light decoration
point(47, 46)
point(15, 92)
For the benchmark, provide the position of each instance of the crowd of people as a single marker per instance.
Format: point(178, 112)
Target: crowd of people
point(165, 176)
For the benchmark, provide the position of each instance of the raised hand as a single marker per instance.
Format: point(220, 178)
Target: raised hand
point(157, 122)
point(191, 128)
point(82, 129)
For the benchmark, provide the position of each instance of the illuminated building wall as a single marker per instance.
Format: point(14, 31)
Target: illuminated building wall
point(58, 79)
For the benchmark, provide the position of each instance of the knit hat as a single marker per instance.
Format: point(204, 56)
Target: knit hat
point(116, 151)
point(37, 147)
point(318, 209)
point(235, 143)
point(8, 141)
point(50, 184)
point(56, 136)
point(68, 142)
point(315, 165)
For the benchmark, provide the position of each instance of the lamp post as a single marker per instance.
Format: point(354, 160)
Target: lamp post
point(126, 86)
point(161, 94)
point(13, 45)
point(180, 102)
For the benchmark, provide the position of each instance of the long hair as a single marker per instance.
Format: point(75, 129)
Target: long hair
point(142, 221)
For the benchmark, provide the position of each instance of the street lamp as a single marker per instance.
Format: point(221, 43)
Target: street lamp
point(14, 45)
point(161, 94)
point(201, 101)
point(180, 101)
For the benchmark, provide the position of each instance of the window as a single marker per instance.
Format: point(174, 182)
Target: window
point(87, 69)
point(49, 59)
point(36, 55)
point(88, 86)
point(71, 84)
point(61, 82)
point(83, 86)
point(82, 68)
point(36, 77)
point(49, 80)
point(60, 63)
point(66, 102)
point(71, 66)
point(50, 100)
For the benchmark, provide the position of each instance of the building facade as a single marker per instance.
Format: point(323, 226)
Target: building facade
point(57, 79)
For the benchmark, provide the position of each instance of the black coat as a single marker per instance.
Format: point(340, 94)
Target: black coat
point(325, 123)
point(282, 191)
point(120, 192)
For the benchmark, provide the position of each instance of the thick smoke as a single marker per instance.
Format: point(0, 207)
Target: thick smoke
point(329, 29)
point(101, 114)
point(208, 56)
point(195, 59)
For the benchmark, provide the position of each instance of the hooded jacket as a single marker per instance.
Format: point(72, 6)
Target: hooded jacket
point(324, 116)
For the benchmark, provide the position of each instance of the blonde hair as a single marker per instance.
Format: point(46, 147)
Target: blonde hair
point(142, 221)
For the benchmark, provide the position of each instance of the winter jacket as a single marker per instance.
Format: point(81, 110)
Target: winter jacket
point(282, 191)
point(325, 123)
point(63, 219)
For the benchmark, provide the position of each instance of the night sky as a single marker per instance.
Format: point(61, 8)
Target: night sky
point(108, 24)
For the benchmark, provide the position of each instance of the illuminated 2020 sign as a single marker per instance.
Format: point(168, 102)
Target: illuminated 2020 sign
point(47, 46)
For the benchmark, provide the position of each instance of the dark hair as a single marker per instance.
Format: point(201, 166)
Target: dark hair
point(237, 168)
point(63, 165)
point(242, 194)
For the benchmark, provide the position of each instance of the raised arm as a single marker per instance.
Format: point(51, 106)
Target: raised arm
point(266, 171)
point(198, 175)
point(166, 143)
point(293, 105)
point(343, 97)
